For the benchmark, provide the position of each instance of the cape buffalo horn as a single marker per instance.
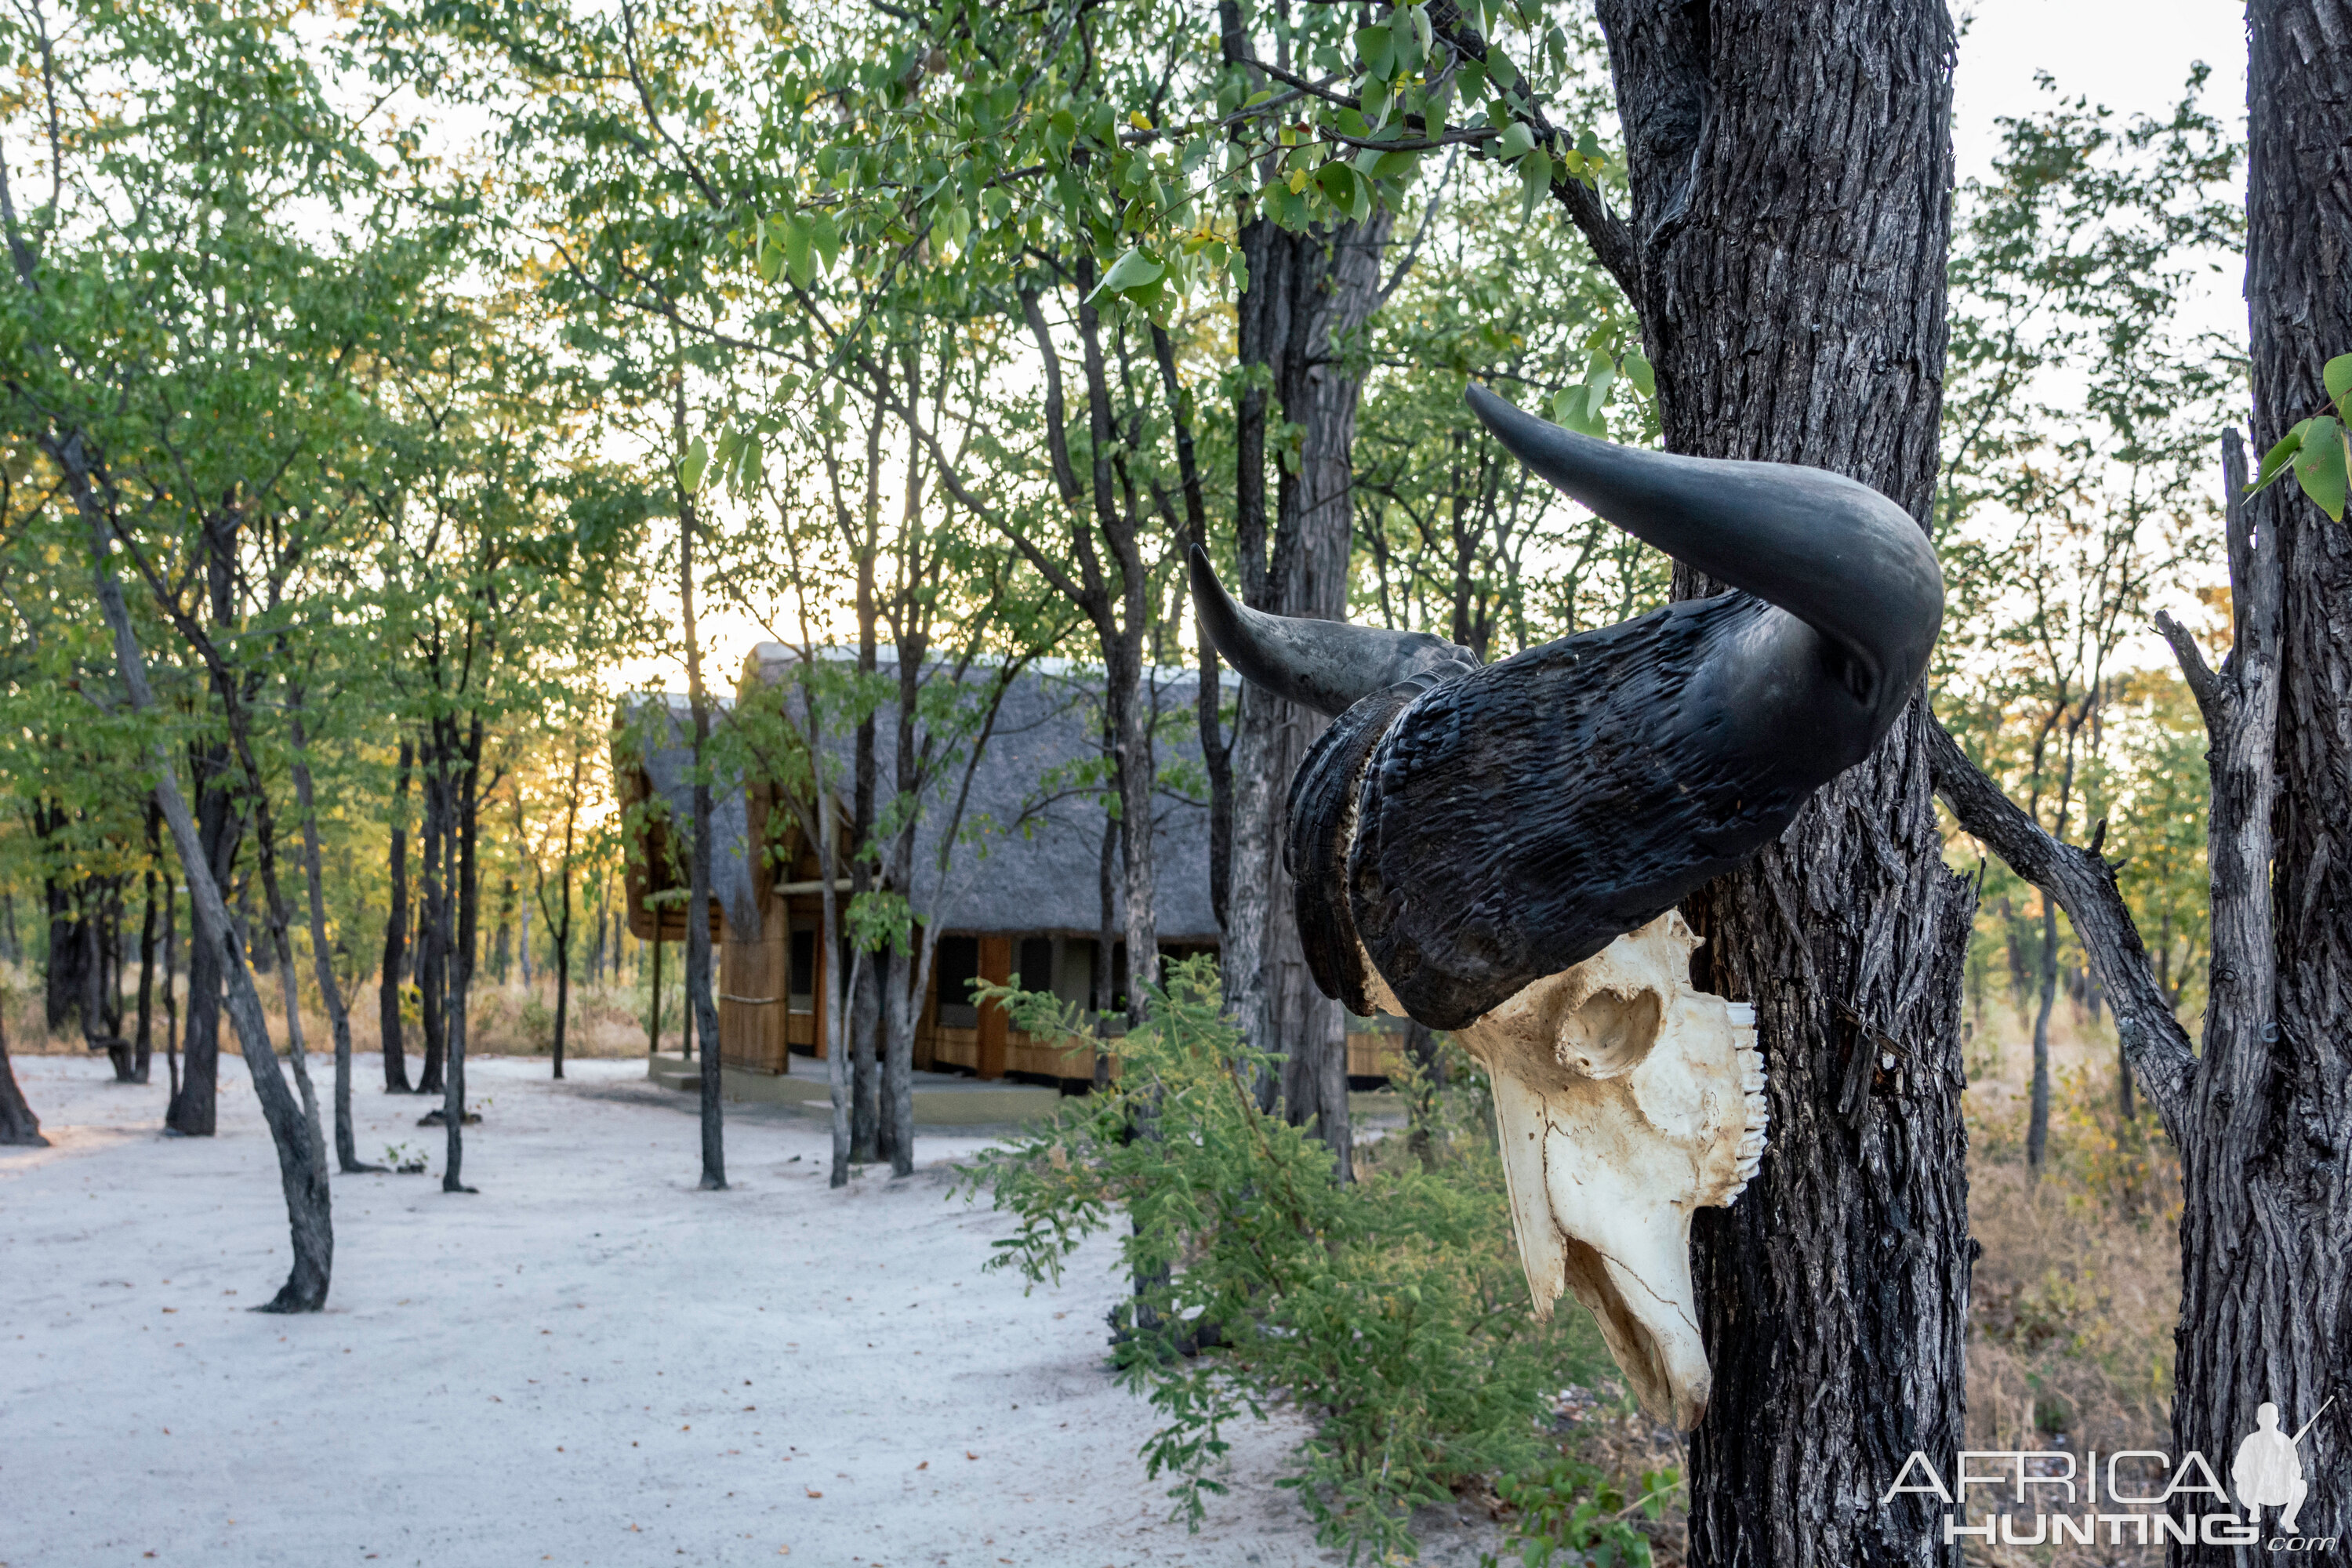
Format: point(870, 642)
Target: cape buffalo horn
point(1833, 552)
point(1328, 666)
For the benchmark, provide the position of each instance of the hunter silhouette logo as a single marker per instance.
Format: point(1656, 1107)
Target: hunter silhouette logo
point(2268, 1472)
point(2057, 1498)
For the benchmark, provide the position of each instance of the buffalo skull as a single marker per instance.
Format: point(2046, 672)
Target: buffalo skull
point(1497, 849)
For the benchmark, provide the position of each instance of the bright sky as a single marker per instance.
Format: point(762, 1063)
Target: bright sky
point(2131, 55)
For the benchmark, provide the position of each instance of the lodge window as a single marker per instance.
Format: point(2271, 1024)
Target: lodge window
point(1036, 971)
point(801, 983)
point(958, 963)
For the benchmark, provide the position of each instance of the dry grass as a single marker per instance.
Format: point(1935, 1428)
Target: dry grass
point(2076, 1296)
point(505, 1020)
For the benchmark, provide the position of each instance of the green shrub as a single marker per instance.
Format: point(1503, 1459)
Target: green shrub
point(1392, 1312)
point(1570, 1513)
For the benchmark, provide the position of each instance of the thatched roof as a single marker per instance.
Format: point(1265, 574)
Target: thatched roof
point(1029, 857)
point(653, 745)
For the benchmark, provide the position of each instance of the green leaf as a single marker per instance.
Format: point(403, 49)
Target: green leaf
point(2338, 375)
point(698, 458)
point(2275, 460)
point(1377, 48)
point(1338, 183)
point(1515, 140)
point(769, 259)
point(2321, 467)
point(1638, 372)
point(1133, 270)
point(1600, 375)
point(1535, 174)
point(827, 238)
point(796, 249)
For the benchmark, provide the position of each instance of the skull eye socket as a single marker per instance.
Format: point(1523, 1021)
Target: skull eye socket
point(1609, 1032)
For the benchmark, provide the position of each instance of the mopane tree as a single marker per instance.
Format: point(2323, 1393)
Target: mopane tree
point(172, 351)
point(1790, 170)
point(2262, 1112)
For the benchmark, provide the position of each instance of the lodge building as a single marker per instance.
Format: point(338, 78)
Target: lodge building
point(1021, 894)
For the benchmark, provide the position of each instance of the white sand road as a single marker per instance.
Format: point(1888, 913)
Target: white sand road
point(590, 1361)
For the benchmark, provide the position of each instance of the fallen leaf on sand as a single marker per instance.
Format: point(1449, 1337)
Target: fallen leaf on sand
point(813, 1491)
point(969, 1455)
point(924, 1466)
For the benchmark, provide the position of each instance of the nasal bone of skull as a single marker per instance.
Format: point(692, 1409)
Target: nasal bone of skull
point(1625, 1100)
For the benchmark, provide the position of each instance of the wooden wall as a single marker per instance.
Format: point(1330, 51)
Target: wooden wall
point(758, 1030)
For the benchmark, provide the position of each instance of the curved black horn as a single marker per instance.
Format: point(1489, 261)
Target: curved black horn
point(1833, 552)
point(1328, 666)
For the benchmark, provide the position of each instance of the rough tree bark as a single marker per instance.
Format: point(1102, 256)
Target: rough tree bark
point(220, 828)
point(395, 933)
point(1791, 169)
point(561, 929)
point(432, 893)
point(301, 1174)
point(465, 887)
point(2263, 1117)
point(2266, 1238)
point(18, 1126)
point(699, 999)
point(144, 1053)
point(330, 993)
point(1307, 294)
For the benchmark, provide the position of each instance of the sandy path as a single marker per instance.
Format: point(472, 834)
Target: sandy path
point(590, 1361)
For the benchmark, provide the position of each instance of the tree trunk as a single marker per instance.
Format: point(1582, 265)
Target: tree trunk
point(467, 787)
point(322, 962)
point(2266, 1270)
point(301, 1174)
point(95, 1024)
point(194, 1103)
point(1106, 940)
point(2037, 1116)
point(1791, 170)
point(898, 1131)
point(61, 967)
point(704, 1006)
point(19, 1128)
point(653, 1013)
point(864, 543)
point(1307, 294)
point(144, 1051)
point(1216, 746)
point(563, 925)
point(865, 1088)
point(433, 915)
point(395, 933)
point(171, 991)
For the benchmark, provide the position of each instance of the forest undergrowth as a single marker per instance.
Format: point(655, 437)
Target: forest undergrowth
point(1392, 1315)
point(2075, 1298)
